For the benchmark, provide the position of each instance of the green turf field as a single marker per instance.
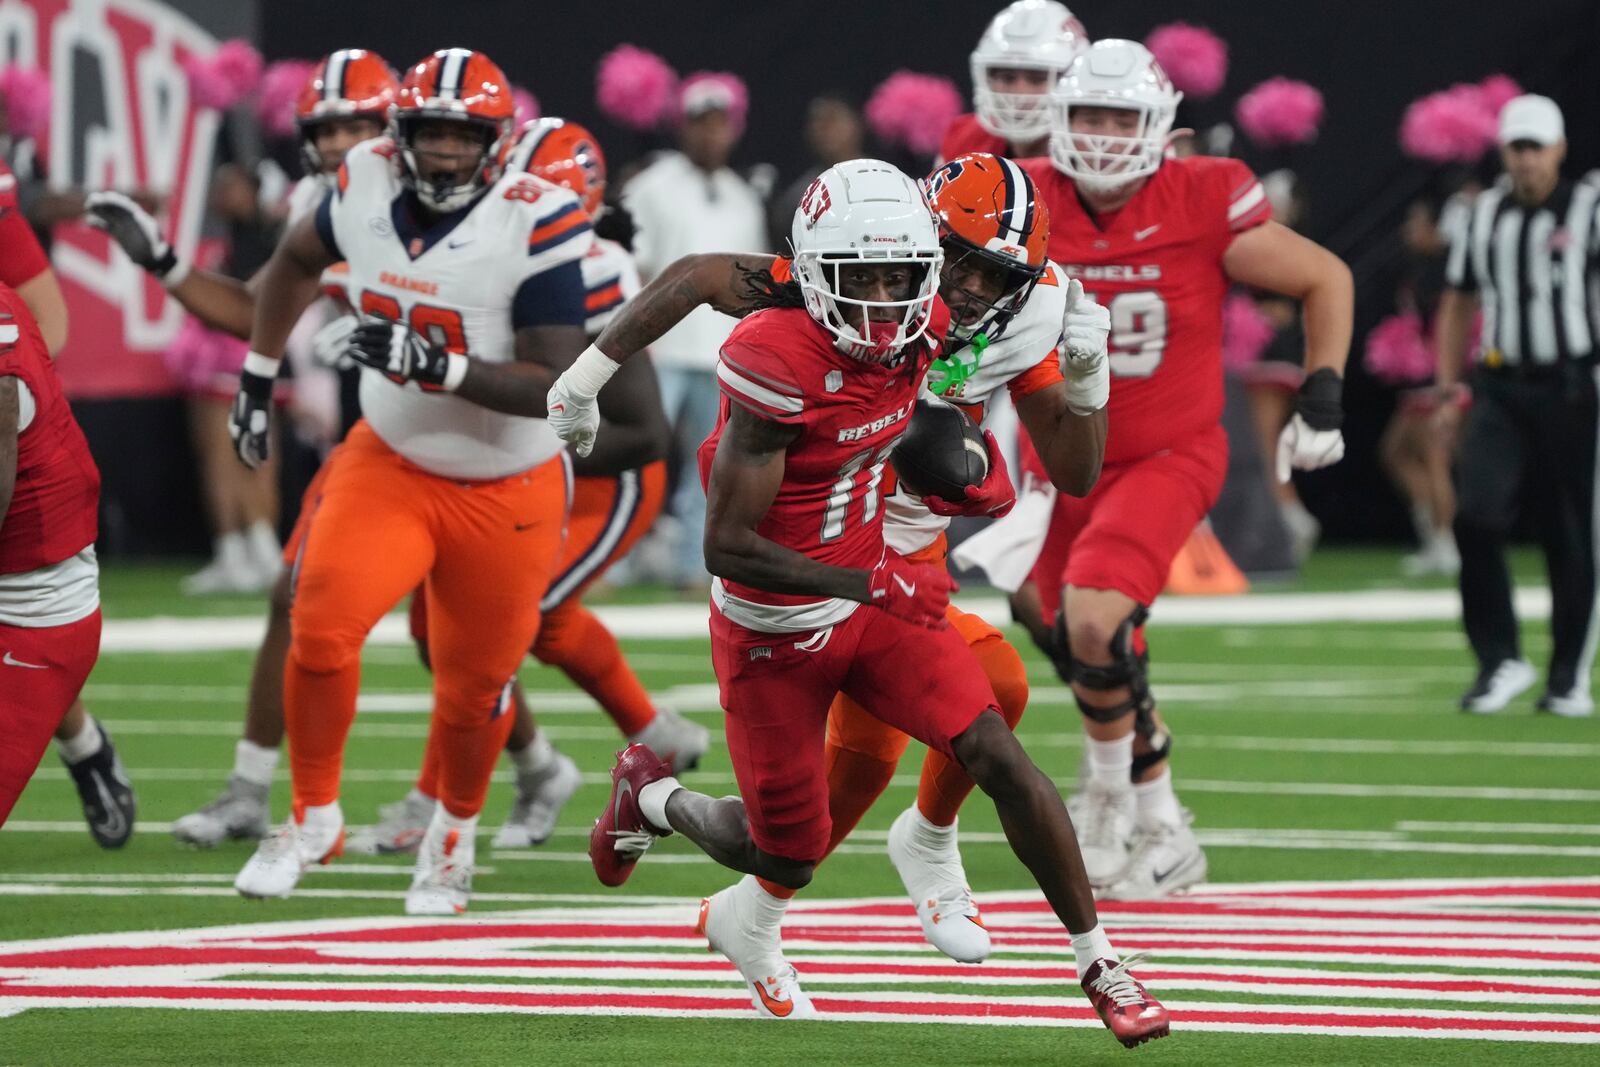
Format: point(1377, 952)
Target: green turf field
point(1316, 753)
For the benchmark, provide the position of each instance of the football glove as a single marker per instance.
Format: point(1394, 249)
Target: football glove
point(329, 343)
point(250, 416)
point(570, 406)
point(992, 499)
point(403, 355)
point(1084, 330)
point(919, 593)
point(135, 231)
point(1312, 439)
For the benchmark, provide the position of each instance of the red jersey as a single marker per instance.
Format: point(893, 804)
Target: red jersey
point(966, 135)
point(53, 511)
point(1156, 265)
point(783, 366)
point(22, 259)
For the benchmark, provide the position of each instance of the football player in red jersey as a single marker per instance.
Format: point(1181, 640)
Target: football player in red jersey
point(49, 579)
point(1158, 241)
point(810, 601)
point(1022, 52)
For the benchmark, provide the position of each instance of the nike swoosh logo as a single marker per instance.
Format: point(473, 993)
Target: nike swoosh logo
point(908, 590)
point(1161, 876)
point(780, 1008)
point(114, 823)
point(1139, 235)
point(460, 244)
point(557, 409)
point(11, 661)
point(624, 789)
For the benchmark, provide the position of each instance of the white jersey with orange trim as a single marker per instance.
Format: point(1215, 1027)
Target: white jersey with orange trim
point(610, 279)
point(1023, 359)
point(455, 282)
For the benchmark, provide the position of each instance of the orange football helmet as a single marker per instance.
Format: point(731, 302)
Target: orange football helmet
point(994, 228)
point(453, 85)
point(349, 83)
point(564, 153)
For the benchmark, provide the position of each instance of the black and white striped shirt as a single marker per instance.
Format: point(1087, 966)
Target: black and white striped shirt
point(1535, 271)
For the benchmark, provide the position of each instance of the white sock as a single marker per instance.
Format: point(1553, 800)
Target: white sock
point(322, 822)
point(1422, 522)
point(535, 756)
point(761, 907)
point(262, 543)
point(1156, 802)
point(254, 763)
point(417, 796)
point(87, 742)
point(1111, 762)
point(653, 802)
point(232, 550)
point(930, 834)
point(1092, 945)
point(468, 825)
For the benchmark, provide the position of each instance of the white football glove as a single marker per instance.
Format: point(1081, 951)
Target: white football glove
point(1085, 328)
point(329, 343)
point(1313, 440)
point(570, 406)
point(136, 232)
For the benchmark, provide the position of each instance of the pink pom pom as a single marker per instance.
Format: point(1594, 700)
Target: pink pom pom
point(280, 88)
point(1498, 90)
point(1194, 58)
point(203, 360)
point(914, 110)
point(1397, 352)
point(225, 78)
point(1246, 332)
point(635, 87)
point(1452, 126)
point(25, 92)
point(526, 104)
point(1280, 111)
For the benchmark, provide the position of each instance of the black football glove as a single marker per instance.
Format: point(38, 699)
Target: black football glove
point(135, 232)
point(403, 355)
point(250, 416)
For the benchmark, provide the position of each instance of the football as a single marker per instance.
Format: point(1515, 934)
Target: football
point(941, 453)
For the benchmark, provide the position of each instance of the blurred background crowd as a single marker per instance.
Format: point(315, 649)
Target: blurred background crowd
point(1373, 143)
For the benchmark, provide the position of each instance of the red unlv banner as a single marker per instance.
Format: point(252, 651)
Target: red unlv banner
point(121, 118)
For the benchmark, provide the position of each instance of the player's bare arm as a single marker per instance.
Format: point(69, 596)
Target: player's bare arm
point(289, 283)
point(520, 387)
point(10, 418)
point(1273, 257)
point(1071, 446)
point(745, 476)
point(732, 283)
point(636, 429)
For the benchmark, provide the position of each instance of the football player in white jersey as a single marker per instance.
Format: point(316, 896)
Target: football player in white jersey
point(472, 295)
point(345, 101)
point(1019, 324)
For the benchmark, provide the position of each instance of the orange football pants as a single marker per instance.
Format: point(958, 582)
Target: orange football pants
point(863, 752)
point(485, 551)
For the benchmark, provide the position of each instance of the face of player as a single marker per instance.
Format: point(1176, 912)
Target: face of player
point(1534, 168)
point(1019, 80)
point(447, 153)
point(333, 138)
point(1105, 122)
point(878, 282)
point(971, 285)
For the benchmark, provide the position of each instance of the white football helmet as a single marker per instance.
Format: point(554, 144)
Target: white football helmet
point(866, 211)
point(1112, 74)
point(1027, 35)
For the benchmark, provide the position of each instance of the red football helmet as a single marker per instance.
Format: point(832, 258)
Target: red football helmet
point(564, 153)
point(349, 83)
point(453, 85)
point(992, 222)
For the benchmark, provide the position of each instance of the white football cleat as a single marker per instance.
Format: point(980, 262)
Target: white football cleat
point(1499, 686)
point(442, 884)
point(281, 859)
point(1577, 704)
point(239, 811)
point(1164, 860)
point(675, 739)
point(1102, 816)
point(399, 828)
point(731, 921)
point(540, 797)
point(929, 863)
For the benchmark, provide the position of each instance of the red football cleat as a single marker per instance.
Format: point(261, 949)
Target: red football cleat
point(622, 834)
point(1131, 1014)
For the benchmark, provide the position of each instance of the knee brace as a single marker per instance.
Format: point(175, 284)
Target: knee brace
point(1128, 668)
point(1155, 735)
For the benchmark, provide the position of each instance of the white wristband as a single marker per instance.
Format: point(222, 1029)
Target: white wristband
point(174, 277)
point(589, 373)
point(261, 366)
point(455, 369)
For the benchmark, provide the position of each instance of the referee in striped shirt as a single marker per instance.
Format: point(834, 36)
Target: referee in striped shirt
point(1528, 258)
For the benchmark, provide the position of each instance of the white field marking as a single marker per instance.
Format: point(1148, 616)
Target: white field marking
point(676, 621)
point(1425, 640)
point(20, 890)
point(1425, 827)
point(200, 878)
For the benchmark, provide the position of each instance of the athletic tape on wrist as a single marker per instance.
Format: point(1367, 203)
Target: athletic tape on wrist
point(589, 373)
point(261, 366)
point(455, 371)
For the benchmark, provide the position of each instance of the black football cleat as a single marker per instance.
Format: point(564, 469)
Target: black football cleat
point(107, 795)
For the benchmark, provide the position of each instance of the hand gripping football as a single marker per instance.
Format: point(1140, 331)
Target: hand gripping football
point(941, 453)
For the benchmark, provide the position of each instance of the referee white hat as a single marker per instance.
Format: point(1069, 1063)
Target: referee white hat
point(1532, 118)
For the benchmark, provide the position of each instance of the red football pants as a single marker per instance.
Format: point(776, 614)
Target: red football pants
point(42, 671)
